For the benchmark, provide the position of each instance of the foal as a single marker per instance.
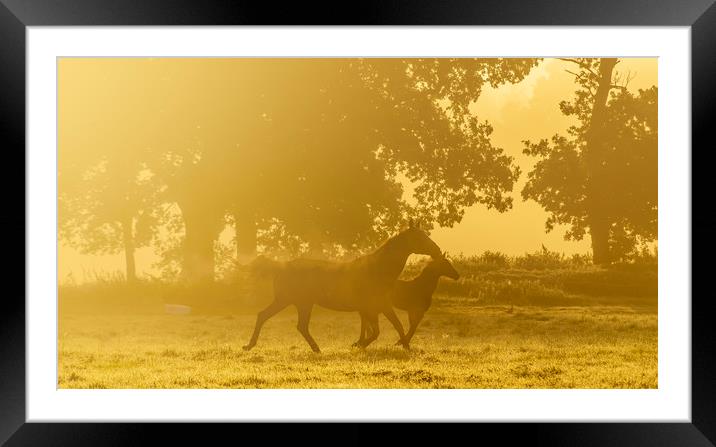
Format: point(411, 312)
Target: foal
point(416, 295)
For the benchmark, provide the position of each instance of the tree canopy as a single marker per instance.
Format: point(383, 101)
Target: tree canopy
point(309, 155)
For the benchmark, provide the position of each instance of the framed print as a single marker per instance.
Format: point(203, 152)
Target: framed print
point(454, 221)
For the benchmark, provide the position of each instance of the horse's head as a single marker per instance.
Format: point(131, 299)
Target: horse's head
point(417, 241)
point(445, 268)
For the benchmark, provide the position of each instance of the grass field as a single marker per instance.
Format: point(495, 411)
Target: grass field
point(459, 345)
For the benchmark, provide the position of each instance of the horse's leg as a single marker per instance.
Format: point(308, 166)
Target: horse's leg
point(372, 323)
point(395, 321)
point(261, 318)
point(304, 316)
point(415, 319)
point(363, 330)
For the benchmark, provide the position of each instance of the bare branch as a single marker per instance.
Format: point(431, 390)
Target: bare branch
point(567, 59)
point(629, 78)
point(618, 78)
point(582, 64)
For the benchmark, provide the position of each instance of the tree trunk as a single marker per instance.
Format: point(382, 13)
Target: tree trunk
point(201, 230)
point(128, 239)
point(599, 231)
point(597, 197)
point(245, 226)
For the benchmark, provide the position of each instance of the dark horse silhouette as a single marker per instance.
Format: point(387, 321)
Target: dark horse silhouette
point(416, 296)
point(360, 285)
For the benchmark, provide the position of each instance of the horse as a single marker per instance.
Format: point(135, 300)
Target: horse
point(360, 285)
point(416, 296)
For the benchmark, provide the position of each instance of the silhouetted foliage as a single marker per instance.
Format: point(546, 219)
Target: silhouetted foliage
point(301, 156)
point(602, 176)
point(111, 207)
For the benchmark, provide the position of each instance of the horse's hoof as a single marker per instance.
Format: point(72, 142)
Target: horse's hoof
point(246, 348)
point(402, 343)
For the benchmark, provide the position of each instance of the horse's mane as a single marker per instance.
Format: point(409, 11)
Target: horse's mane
point(381, 248)
point(264, 266)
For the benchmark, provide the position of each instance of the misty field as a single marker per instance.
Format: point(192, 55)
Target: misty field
point(458, 345)
point(221, 185)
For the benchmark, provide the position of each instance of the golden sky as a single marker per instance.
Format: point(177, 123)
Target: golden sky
point(526, 110)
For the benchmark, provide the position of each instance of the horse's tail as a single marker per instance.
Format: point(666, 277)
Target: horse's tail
point(265, 267)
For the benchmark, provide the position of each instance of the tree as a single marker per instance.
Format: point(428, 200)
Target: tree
point(341, 142)
point(305, 154)
point(108, 196)
point(602, 176)
point(110, 208)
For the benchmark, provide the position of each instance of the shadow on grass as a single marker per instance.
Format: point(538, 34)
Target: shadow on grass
point(357, 354)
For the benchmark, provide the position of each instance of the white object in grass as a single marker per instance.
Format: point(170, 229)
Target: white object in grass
point(177, 309)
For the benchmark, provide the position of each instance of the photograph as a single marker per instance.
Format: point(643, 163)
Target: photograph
point(357, 222)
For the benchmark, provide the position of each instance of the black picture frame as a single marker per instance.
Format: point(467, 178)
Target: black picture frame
point(16, 15)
